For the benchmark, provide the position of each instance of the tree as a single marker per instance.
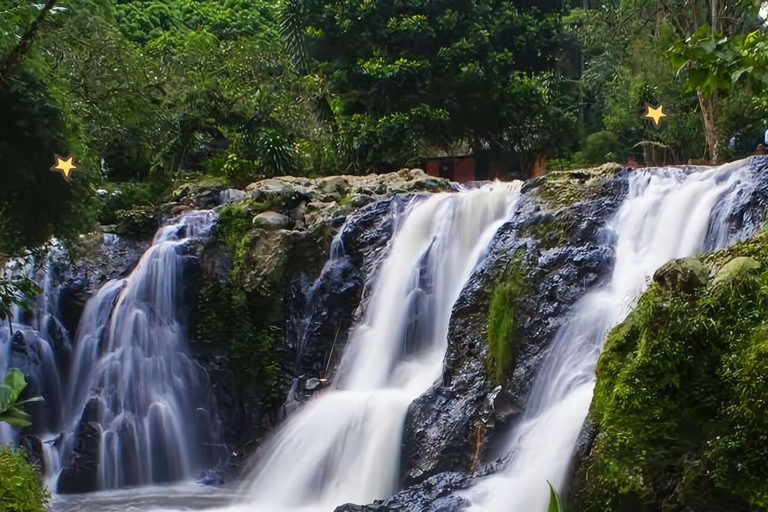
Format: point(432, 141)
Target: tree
point(702, 26)
point(450, 74)
point(716, 64)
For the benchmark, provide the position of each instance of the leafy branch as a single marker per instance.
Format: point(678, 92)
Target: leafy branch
point(15, 291)
point(11, 411)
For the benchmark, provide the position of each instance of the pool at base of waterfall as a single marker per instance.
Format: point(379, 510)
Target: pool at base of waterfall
point(184, 496)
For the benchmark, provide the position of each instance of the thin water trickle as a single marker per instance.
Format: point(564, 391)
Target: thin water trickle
point(668, 213)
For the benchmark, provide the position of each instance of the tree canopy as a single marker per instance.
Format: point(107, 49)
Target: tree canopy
point(147, 92)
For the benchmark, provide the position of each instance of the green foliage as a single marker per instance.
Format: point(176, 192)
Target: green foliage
point(679, 402)
point(36, 203)
point(15, 291)
point(11, 411)
point(20, 487)
point(554, 501)
point(124, 196)
point(718, 63)
point(480, 69)
point(504, 322)
point(231, 320)
point(600, 147)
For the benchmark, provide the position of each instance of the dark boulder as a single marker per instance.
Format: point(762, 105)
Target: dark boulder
point(437, 494)
point(80, 473)
point(684, 275)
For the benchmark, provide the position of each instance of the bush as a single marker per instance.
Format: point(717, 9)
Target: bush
point(598, 146)
point(20, 487)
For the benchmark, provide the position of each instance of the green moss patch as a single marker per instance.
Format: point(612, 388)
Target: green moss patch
point(239, 325)
point(235, 226)
point(564, 188)
point(20, 486)
point(681, 401)
point(505, 313)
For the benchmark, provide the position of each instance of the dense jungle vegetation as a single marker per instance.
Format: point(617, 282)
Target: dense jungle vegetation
point(147, 92)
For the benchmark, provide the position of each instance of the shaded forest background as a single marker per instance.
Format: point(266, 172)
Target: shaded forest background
point(148, 93)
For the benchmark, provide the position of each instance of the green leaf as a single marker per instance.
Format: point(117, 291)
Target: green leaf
point(6, 397)
point(677, 60)
point(15, 380)
point(16, 418)
point(707, 46)
point(554, 500)
point(737, 74)
point(30, 400)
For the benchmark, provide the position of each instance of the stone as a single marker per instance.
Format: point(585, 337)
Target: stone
point(231, 195)
point(317, 213)
point(684, 275)
point(312, 384)
point(271, 221)
point(736, 270)
point(360, 200)
point(279, 189)
point(80, 473)
point(333, 185)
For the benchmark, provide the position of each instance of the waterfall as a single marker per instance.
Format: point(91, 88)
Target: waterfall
point(668, 213)
point(135, 397)
point(38, 334)
point(344, 445)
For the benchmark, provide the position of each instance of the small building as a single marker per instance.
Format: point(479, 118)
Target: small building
point(460, 169)
point(482, 167)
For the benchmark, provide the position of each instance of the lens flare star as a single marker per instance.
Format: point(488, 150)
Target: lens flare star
point(66, 166)
point(655, 113)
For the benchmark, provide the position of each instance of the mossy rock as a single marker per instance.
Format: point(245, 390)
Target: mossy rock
point(684, 275)
point(564, 188)
point(737, 270)
point(679, 405)
point(139, 224)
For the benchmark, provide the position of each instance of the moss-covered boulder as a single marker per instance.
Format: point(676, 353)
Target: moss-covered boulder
point(683, 275)
point(680, 403)
point(563, 188)
point(736, 270)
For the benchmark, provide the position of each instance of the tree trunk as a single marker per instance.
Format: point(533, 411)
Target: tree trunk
point(708, 106)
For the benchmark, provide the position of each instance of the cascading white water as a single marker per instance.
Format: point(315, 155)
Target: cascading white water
point(132, 374)
point(667, 214)
point(41, 335)
point(344, 445)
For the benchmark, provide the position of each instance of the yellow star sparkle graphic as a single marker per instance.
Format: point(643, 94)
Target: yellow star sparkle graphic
point(65, 166)
point(655, 113)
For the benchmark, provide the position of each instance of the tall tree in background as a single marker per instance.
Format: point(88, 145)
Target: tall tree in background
point(447, 73)
point(701, 24)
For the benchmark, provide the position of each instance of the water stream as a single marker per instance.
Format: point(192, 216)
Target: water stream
point(344, 446)
point(668, 213)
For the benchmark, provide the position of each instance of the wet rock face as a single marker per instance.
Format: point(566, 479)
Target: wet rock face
point(80, 473)
point(564, 253)
point(314, 295)
point(437, 494)
point(95, 259)
point(321, 310)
